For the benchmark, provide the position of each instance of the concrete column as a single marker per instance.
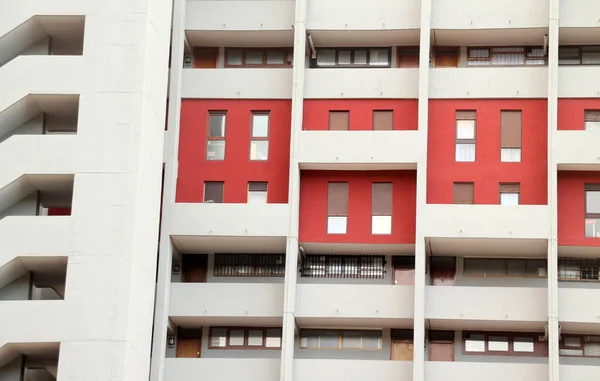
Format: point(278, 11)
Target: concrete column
point(420, 247)
point(291, 263)
point(553, 323)
point(161, 313)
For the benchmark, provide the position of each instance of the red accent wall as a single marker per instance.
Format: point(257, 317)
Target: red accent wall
point(59, 211)
point(237, 169)
point(571, 112)
point(571, 207)
point(487, 171)
point(313, 206)
point(316, 112)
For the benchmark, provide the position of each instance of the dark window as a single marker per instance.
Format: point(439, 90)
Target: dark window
point(340, 339)
point(592, 210)
point(339, 120)
point(521, 268)
point(579, 55)
point(250, 265)
point(383, 120)
point(443, 270)
point(343, 266)
point(580, 346)
point(244, 338)
point(258, 57)
point(352, 57)
point(464, 193)
point(579, 269)
point(213, 191)
point(504, 344)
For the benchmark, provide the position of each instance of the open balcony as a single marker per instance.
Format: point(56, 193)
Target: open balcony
point(335, 305)
point(475, 229)
point(488, 82)
point(346, 150)
point(486, 308)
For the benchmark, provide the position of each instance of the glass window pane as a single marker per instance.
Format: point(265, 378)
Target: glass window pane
point(234, 57)
point(215, 150)
point(592, 227)
point(474, 267)
point(509, 199)
point(510, 155)
point(495, 267)
point(259, 150)
point(309, 339)
point(465, 152)
point(371, 339)
point(590, 58)
point(592, 126)
point(254, 57)
point(475, 342)
point(217, 126)
point(351, 340)
point(536, 268)
point(360, 57)
point(516, 267)
point(236, 337)
point(336, 225)
point(498, 343)
point(255, 338)
point(344, 57)
point(381, 225)
point(273, 338)
point(592, 201)
point(378, 57)
point(591, 349)
point(260, 125)
point(329, 339)
point(257, 197)
point(275, 57)
point(523, 344)
point(572, 341)
point(326, 57)
point(465, 129)
point(218, 337)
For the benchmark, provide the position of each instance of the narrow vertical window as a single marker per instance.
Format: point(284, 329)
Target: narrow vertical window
point(257, 192)
point(381, 204)
point(592, 120)
point(215, 146)
point(339, 120)
point(213, 191)
point(464, 193)
point(510, 194)
point(465, 136)
point(383, 120)
point(259, 145)
point(592, 210)
point(337, 208)
point(510, 136)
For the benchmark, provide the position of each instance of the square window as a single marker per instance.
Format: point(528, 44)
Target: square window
point(381, 225)
point(273, 338)
point(254, 57)
point(215, 150)
point(378, 57)
point(371, 339)
point(344, 57)
point(260, 125)
point(509, 199)
point(523, 344)
point(234, 57)
point(465, 152)
point(498, 343)
point(329, 339)
point(255, 338)
point(475, 342)
point(360, 57)
point(236, 337)
point(275, 57)
point(336, 224)
point(257, 193)
point(259, 150)
point(351, 340)
point(218, 337)
point(213, 191)
point(326, 57)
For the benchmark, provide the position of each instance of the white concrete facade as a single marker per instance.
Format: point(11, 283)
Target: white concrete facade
point(108, 83)
point(525, 231)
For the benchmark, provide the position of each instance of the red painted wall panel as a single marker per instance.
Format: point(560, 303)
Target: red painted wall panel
point(237, 169)
point(571, 112)
point(316, 112)
point(571, 207)
point(313, 206)
point(487, 171)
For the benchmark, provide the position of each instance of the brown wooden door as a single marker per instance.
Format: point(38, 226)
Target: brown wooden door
point(402, 351)
point(446, 58)
point(189, 348)
point(405, 277)
point(441, 352)
point(206, 58)
point(195, 275)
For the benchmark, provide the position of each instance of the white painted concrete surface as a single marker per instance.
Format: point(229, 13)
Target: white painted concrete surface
point(222, 369)
point(575, 306)
point(577, 149)
point(473, 371)
point(352, 370)
point(574, 82)
point(579, 13)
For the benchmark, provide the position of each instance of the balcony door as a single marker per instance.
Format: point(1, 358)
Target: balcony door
point(402, 351)
point(189, 342)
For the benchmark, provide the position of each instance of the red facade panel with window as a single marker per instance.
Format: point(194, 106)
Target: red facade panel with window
point(487, 171)
point(236, 170)
point(571, 112)
point(316, 113)
point(314, 202)
point(572, 208)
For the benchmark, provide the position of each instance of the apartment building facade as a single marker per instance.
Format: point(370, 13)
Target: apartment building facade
point(82, 111)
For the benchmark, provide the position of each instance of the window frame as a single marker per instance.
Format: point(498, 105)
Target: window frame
point(263, 64)
point(336, 64)
point(490, 49)
point(586, 215)
point(216, 138)
point(261, 138)
point(518, 192)
point(340, 333)
point(505, 260)
point(204, 200)
point(587, 118)
point(458, 141)
point(538, 347)
point(246, 330)
point(561, 345)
